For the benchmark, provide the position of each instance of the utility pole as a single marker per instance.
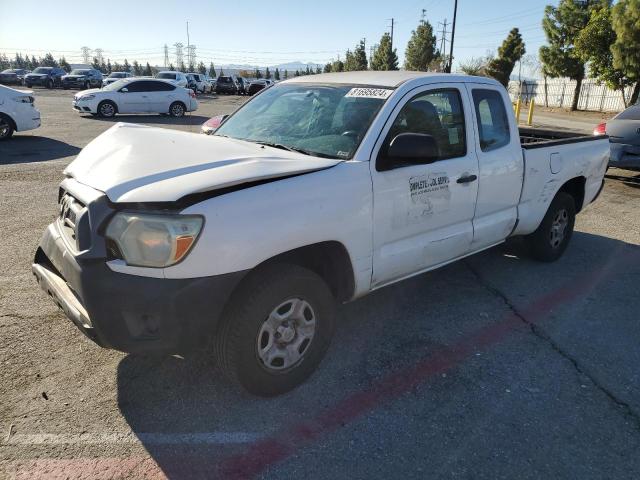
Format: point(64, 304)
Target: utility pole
point(453, 35)
point(188, 42)
point(99, 56)
point(392, 22)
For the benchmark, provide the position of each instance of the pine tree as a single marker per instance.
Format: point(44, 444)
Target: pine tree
point(34, 62)
point(307, 71)
point(384, 57)
point(327, 68)
point(421, 49)
point(212, 70)
point(96, 64)
point(64, 64)
point(49, 61)
point(4, 62)
point(276, 74)
point(509, 53)
point(360, 56)
point(125, 66)
point(286, 74)
point(562, 25)
point(337, 66)
point(349, 61)
point(318, 69)
point(267, 73)
point(201, 68)
point(172, 68)
point(117, 67)
point(147, 71)
point(297, 74)
point(137, 70)
point(625, 18)
point(109, 68)
point(258, 73)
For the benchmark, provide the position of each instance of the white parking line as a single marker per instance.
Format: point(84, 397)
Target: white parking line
point(211, 438)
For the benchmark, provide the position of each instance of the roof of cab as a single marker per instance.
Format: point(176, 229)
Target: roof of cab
point(390, 78)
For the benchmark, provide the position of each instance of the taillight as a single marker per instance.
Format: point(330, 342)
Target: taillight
point(601, 129)
point(192, 94)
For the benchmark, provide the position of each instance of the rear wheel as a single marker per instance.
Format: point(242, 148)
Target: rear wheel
point(87, 86)
point(177, 109)
point(276, 329)
point(6, 128)
point(107, 109)
point(49, 83)
point(551, 238)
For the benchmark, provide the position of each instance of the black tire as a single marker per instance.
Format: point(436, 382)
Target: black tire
point(107, 109)
point(6, 128)
point(550, 240)
point(28, 85)
point(87, 86)
point(238, 340)
point(49, 84)
point(177, 109)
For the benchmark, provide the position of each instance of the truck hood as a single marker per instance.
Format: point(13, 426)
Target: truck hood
point(135, 163)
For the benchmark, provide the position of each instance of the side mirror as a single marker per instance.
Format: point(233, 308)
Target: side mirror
point(413, 148)
point(124, 89)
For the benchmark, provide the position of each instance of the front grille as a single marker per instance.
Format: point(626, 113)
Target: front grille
point(69, 217)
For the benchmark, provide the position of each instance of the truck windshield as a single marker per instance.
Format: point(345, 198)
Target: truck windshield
point(319, 120)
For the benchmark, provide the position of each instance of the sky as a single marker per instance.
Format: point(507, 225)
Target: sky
point(256, 33)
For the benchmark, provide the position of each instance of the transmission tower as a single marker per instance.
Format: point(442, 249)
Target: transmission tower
point(86, 54)
point(443, 42)
point(191, 56)
point(179, 56)
point(166, 55)
point(98, 53)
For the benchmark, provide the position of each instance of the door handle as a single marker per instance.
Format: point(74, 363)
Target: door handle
point(467, 179)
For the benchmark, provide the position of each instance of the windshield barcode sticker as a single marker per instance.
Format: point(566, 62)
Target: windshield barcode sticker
point(361, 92)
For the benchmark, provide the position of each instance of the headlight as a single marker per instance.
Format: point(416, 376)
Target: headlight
point(150, 240)
point(84, 98)
point(23, 99)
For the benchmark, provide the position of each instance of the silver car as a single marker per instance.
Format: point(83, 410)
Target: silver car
point(624, 135)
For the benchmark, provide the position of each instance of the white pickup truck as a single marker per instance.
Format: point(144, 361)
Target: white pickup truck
point(316, 191)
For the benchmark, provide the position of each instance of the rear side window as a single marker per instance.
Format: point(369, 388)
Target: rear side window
point(631, 113)
point(493, 123)
point(161, 87)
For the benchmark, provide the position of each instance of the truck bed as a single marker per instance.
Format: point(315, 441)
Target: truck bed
point(536, 138)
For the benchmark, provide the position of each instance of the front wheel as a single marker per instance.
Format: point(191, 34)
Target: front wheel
point(107, 109)
point(550, 240)
point(276, 329)
point(49, 84)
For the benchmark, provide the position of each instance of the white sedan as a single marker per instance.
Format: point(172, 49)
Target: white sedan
point(134, 95)
point(17, 112)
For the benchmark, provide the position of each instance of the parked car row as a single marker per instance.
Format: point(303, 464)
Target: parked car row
point(13, 76)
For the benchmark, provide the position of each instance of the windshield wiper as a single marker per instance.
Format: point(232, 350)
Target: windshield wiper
point(291, 149)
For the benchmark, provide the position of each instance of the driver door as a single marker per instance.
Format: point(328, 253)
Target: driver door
point(423, 209)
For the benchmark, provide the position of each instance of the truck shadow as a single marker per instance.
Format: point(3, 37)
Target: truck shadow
point(190, 419)
point(33, 148)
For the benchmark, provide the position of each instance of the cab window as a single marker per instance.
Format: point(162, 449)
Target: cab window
point(437, 113)
point(493, 123)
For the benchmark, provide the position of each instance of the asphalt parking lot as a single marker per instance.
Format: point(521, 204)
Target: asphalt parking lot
point(493, 367)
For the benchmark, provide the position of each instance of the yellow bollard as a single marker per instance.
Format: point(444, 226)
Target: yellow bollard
point(532, 105)
point(518, 107)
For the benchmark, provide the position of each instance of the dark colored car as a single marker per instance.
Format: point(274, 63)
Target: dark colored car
point(13, 76)
point(227, 84)
point(192, 84)
point(82, 78)
point(45, 77)
point(258, 85)
point(243, 85)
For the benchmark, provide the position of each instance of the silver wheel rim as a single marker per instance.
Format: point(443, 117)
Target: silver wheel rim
point(4, 128)
point(177, 110)
point(107, 110)
point(558, 228)
point(286, 334)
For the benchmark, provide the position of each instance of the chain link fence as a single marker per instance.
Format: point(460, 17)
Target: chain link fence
point(559, 93)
